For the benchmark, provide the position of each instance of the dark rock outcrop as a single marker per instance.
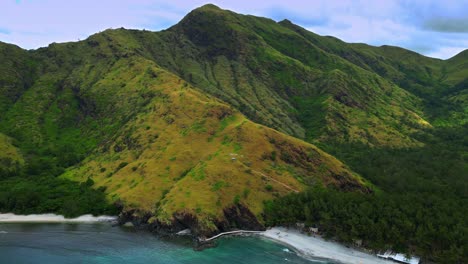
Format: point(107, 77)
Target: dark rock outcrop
point(239, 217)
point(236, 217)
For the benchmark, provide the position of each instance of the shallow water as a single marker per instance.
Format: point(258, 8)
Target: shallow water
point(101, 243)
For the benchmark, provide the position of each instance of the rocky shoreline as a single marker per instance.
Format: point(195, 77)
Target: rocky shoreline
point(235, 217)
point(311, 247)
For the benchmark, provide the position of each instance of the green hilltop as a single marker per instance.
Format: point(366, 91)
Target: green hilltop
point(227, 121)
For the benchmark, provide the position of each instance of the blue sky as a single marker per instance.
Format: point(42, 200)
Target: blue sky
point(436, 28)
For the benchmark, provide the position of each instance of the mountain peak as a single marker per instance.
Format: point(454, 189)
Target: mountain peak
point(285, 21)
point(208, 7)
point(217, 30)
point(202, 13)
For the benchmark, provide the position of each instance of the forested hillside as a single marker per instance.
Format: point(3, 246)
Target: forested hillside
point(226, 120)
point(104, 125)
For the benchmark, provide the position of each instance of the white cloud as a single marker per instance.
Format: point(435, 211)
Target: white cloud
point(360, 29)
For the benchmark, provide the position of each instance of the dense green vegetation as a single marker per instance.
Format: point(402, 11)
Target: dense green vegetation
point(421, 206)
point(45, 194)
point(438, 168)
point(281, 79)
point(407, 222)
point(33, 185)
point(396, 117)
point(135, 116)
point(101, 110)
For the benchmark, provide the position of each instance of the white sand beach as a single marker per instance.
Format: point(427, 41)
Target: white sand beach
point(53, 218)
point(316, 247)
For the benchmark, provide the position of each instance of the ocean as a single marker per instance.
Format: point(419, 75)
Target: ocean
point(102, 243)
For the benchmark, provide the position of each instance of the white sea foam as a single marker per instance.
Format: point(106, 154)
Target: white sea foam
point(53, 218)
point(316, 247)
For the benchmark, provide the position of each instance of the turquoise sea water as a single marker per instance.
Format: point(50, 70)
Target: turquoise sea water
point(101, 243)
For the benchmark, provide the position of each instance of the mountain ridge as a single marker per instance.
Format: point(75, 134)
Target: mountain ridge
point(215, 124)
point(113, 119)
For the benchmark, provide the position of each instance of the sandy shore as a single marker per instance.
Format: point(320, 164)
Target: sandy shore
point(316, 247)
point(53, 218)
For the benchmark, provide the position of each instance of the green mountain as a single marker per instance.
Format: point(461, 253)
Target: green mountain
point(100, 113)
point(225, 120)
point(280, 78)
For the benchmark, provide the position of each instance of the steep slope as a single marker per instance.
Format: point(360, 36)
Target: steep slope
point(154, 144)
point(192, 127)
point(190, 160)
point(63, 114)
point(16, 74)
point(457, 95)
point(457, 68)
point(11, 159)
point(281, 79)
point(435, 81)
point(15, 77)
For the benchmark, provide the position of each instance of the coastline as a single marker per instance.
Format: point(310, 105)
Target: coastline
point(318, 248)
point(309, 247)
point(53, 218)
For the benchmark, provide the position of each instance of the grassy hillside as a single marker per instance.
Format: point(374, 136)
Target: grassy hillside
point(438, 83)
point(316, 88)
point(150, 141)
point(188, 153)
point(11, 159)
point(205, 125)
point(281, 79)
